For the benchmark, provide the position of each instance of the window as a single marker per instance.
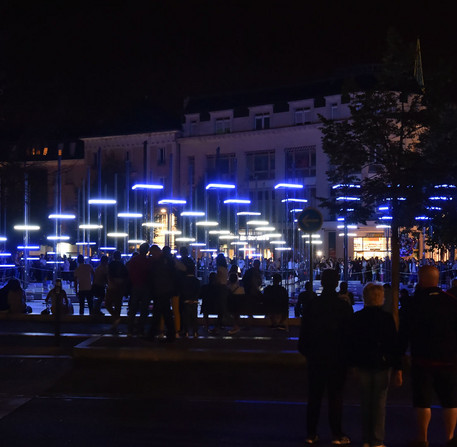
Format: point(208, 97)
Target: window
point(303, 116)
point(223, 167)
point(161, 157)
point(262, 121)
point(193, 129)
point(301, 162)
point(223, 125)
point(261, 165)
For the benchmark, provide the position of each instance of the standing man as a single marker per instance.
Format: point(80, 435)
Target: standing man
point(252, 282)
point(429, 327)
point(139, 269)
point(83, 284)
point(117, 288)
point(164, 287)
point(323, 335)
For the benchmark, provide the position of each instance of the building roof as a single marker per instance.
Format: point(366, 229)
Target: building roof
point(239, 101)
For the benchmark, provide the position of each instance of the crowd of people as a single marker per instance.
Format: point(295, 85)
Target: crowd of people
point(334, 339)
point(155, 281)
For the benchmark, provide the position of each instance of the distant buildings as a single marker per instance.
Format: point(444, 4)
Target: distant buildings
point(254, 141)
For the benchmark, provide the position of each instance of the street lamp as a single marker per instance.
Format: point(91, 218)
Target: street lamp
point(289, 187)
point(101, 202)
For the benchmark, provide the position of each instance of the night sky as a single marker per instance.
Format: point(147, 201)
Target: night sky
point(66, 66)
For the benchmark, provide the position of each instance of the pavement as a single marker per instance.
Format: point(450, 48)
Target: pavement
point(247, 389)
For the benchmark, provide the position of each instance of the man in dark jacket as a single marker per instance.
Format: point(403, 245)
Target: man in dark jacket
point(375, 351)
point(322, 341)
point(164, 287)
point(429, 327)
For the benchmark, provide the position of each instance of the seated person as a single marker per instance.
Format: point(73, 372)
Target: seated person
point(59, 300)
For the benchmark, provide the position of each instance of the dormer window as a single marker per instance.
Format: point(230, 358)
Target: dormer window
point(223, 125)
point(302, 116)
point(193, 127)
point(262, 121)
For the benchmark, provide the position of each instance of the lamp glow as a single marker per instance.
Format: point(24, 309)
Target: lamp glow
point(102, 202)
point(172, 202)
point(237, 201)
point(294, 200)
point(220, 186)
point(58, 238)
point(26, 227)
point(172, 232)
point(114, 234)
point(192, 213)
point(248, 213)
point(28, 247)
point(61, 216)
point(90, 227)
point(132, 215)
point(136, 241)
point(146, 186)
point(288, 186)
point(152, 225)
point(206, 223)
point(185, 239)
point(257, 222)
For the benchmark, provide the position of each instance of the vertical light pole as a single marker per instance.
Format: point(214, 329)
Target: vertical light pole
point(218, 187)
point(347, 197)
point(236, 203)
point(289, 187)
point(151, 188)
point(100, 202)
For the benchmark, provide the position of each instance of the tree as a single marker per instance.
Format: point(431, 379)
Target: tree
point(439, 144)
point(376, 148)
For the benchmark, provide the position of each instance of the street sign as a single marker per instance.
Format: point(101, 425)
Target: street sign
point(310, 220)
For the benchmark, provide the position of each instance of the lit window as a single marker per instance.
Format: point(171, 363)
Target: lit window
point(301, 162)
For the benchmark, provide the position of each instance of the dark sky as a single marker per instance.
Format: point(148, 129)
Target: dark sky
point(67, 64)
